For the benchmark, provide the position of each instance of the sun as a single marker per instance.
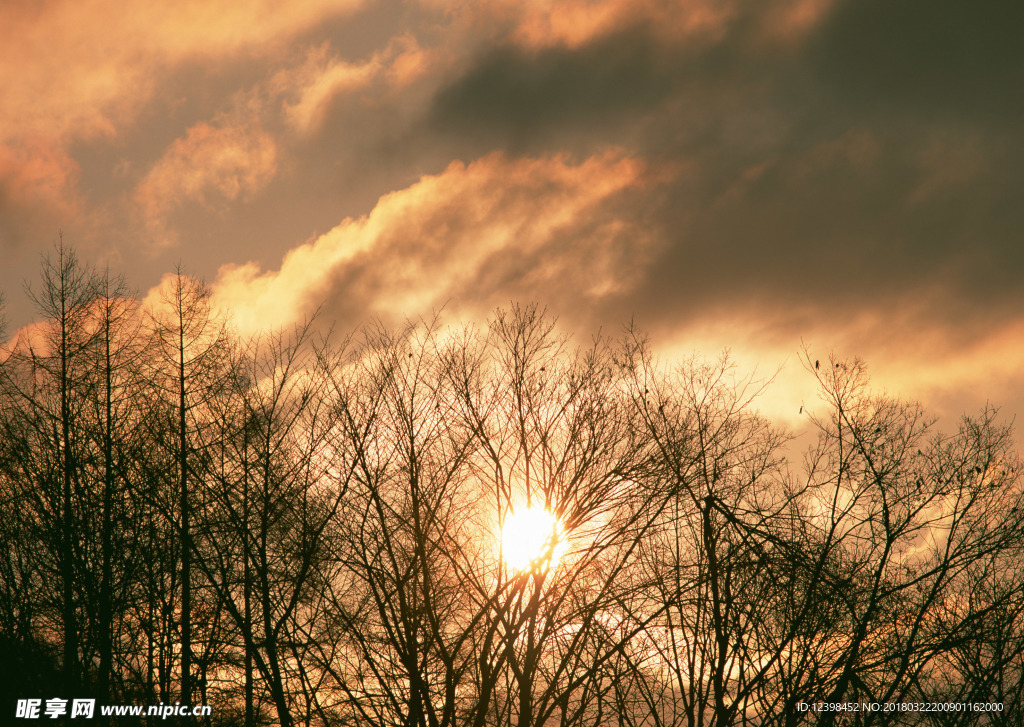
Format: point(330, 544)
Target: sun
point(532, 538)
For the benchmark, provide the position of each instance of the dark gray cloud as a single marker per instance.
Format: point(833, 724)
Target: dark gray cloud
point(871, 162)
point(962, 60)
point(517, 95)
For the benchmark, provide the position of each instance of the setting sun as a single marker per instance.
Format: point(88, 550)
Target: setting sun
point(531, 537)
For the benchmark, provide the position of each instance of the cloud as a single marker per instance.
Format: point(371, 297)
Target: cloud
point(81, 68)
point(833, 165)
point(590, 69)
point(78, 70)
point(312, 88)
point(473, 236)
point(37, 171)
point(574, 23)
point(37, 180)
point(910, 353)
point(542, 24)
point(318, 82)
point(226, 160)
point(511, 94)
point(811, 181)
point(934, 57)
point(409, 61)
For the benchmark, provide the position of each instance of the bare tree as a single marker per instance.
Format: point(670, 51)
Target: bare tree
point(436, 624)
point(709, 653)
point(117, 357)
point(262, 544)
point(189, 348)
point(485, 526)
point(45, 376)
point(919, 521)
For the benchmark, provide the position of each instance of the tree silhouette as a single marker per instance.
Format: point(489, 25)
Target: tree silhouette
point(484, 526)
point(189, 346)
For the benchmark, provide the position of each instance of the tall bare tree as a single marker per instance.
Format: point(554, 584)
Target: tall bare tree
point(485, 526)
point(276, 488)
point(189, 351)
point(51, 370)
point(117, 355)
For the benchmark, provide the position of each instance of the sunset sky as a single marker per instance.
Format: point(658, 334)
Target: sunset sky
point(845, 174)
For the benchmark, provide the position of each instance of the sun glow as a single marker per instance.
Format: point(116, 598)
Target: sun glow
point(532, 538)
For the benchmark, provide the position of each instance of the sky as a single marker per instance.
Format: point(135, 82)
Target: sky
point(759, 176)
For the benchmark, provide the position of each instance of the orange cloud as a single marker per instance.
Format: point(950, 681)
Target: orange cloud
point(936, 363)
point(542, 24)
point(950, 371)
point(795, 17)
point(228, 160)
point(316, 83)
point(409, 61)
point(78, 69)
point(470, 236)
point(35, 172)
point(312, 88)
point(574, 22)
